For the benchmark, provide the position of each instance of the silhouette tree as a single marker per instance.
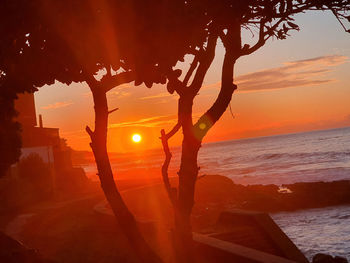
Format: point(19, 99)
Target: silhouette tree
point(105, 44)
point(10, 139)
point(225, 20)
point(111, 42)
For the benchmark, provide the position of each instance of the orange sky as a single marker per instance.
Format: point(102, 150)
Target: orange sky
point(293, 85)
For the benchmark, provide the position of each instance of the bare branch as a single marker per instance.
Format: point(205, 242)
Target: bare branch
point(89, 131)
point(113, 110)
point(172, 193)
point(262, 33)
point(337, 16)
point(262, 40)
point(209, 118)
point(190, 71)
point(205, 61)
point(173, 130)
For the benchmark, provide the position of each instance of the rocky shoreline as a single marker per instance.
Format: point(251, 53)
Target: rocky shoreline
point(273, 198)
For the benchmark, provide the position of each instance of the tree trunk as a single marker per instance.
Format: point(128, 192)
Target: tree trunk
point(193, 136)
point(124, 217)
point(188, 173)
point(187, 180)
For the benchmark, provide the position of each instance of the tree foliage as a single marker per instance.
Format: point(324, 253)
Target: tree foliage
point(71, 41)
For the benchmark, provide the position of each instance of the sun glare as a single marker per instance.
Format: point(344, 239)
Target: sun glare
point(136, 138)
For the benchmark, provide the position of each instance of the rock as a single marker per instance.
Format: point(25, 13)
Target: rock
point(338, 259)
point(268, 198)
point(322, 258)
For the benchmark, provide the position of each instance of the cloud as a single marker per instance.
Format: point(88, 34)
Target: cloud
point(332, 60)
point(57, 105)
point(300, 73)
point(119, 94)
point(158, 121)
point(159, 95)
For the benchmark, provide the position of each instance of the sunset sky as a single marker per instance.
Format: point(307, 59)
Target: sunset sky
point(292, 85)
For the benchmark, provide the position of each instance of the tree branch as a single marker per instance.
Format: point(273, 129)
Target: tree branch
point(341, 23)
point(173, 130)
point(262, 40)
point(208, 119)
point(109, 82)
point(205, 59)
point(89, 131)
point(113, 110)
point(190, 70)
point(172, 193)
point(262, 34)
point(246, 50)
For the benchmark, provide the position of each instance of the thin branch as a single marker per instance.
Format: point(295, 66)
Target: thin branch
point(233, 116)
point(262, 34)
point(113, 110)
point(205, 59)
point(190, 71)
point(165, 137)
point(89, 131)
point(173, 130)
point(246, 50)
point(262, 40)
point(336, 15)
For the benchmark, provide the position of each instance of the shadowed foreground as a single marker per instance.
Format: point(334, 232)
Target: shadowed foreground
point(83, 231)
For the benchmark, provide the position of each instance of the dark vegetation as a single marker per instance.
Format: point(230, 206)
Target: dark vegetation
point(109, 43)
point(33, 181)
point(32, 185)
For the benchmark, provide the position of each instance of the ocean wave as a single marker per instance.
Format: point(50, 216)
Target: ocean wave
point(301, 155)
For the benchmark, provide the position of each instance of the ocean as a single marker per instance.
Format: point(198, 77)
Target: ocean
point(282, 159)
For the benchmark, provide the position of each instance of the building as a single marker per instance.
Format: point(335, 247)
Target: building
point(47, 143)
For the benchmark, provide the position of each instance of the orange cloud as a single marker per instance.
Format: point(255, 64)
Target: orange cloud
point(57, 105)
point(157, 121)
point(307, 72)
point(332, 60)
point(120, 94)
point(159, 95)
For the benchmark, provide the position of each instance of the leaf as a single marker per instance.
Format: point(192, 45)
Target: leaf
point(170, 87)
point(148, 83)
point(138, 82)
point(285, 28)
point(292, 25)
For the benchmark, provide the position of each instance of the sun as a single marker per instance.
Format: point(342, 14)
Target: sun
point(136, 138)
